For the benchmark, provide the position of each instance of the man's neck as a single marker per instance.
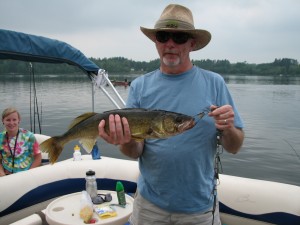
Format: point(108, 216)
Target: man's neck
point(174, 70)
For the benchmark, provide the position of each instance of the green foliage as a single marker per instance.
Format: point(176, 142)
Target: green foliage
point(121, 65)
point(283, 66)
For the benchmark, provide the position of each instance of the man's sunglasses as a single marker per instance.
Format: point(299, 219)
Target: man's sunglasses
point(177, 37)
point(99, 199)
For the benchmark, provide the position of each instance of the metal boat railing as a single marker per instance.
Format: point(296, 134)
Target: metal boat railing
point(101, 81)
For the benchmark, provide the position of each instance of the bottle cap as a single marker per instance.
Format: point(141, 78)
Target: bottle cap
point(119, 186)
point(90, 173)
point(76, 148)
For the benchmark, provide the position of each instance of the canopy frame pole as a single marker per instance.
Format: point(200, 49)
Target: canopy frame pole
point(101, 80)
point(93, 98)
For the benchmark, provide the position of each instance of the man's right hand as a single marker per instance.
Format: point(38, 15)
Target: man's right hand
point(119, 131)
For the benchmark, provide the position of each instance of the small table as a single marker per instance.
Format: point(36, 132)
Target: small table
point(66, 209)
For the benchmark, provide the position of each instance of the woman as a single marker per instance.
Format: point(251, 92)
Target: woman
point(19, 150)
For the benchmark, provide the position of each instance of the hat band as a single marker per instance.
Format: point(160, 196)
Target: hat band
point(174, 24)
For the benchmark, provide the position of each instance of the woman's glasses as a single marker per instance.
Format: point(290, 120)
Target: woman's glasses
point(99, 199)
point(177, 37)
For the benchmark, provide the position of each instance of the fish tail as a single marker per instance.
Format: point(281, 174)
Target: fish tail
point(53, 146)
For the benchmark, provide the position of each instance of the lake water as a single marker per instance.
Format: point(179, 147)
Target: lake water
point(269, 106)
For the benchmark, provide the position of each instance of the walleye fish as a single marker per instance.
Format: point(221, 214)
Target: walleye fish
point(143, 124)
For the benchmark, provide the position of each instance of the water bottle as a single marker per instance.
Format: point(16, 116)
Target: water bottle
point(96, 152)
point(91, 184)
point(120, 193)
point(77, 153)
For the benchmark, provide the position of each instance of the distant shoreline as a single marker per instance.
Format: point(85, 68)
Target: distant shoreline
point(122, 66)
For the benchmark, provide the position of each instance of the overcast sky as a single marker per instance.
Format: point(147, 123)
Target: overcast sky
point(255, 31)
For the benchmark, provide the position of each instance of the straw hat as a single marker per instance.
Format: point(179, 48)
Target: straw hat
point(177, 18)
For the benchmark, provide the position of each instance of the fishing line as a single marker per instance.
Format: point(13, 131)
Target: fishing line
point(217, 160)
point(200, 115)
point(292, 148)
point(35, 103)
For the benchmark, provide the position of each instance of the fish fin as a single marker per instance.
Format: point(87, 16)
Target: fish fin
point(138, 139)
point(81, 118)
point(150, 131)
point(87, 144)
point(53, 147)
point(157, 135)
point(115, 111)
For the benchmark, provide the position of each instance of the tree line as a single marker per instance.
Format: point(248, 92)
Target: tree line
point(121, 65)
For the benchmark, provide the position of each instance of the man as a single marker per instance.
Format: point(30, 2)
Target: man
point(177, 182)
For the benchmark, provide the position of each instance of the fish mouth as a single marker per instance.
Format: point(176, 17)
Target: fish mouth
point(186, 125)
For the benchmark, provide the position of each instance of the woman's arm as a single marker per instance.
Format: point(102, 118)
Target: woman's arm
point(2, 173)
point(37, 161)
point(37, 155)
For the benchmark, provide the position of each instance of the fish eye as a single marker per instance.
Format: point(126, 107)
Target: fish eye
point(178, 119)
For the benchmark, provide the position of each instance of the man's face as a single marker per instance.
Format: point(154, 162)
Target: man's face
point(174, 54)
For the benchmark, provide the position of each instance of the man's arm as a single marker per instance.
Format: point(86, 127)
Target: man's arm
point(232, 139)
point(132, 149)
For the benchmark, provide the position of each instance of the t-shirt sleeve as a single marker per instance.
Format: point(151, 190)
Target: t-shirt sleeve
point(36, 148)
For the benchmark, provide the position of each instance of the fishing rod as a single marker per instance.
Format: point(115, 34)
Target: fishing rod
point(292, 148)
point(35, 102)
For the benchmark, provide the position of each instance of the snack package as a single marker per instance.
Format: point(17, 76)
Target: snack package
point(105, 212)
point(86, 207)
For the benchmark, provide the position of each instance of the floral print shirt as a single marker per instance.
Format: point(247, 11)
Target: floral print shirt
point(23, 155)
